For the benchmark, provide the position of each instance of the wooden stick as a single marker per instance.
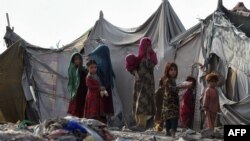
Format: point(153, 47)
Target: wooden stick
point(8, 21)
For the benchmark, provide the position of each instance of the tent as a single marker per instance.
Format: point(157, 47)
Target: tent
point(42, 79)
point(220, 42)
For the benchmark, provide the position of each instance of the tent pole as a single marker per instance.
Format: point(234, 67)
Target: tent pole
point(219, 5)
point(8, 20)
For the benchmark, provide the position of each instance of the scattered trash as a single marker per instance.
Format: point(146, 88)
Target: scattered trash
point(81, 129)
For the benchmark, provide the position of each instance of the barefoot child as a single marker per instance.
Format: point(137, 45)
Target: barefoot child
point(94, 104)
point(211, 101)
point(170, 105)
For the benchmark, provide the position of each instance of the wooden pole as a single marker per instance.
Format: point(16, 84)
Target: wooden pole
point(8, 21)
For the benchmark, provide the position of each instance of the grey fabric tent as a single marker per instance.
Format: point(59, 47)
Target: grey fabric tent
point(161, 27)
point(218, 41)
point(46, 69)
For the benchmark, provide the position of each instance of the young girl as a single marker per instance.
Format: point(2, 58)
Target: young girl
point(187, 105)
point(211, 101)
point(106, 75)
point(94, 103)
point(170, 105)
point(77, 86)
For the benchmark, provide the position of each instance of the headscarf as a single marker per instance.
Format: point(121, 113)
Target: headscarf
point(132, 61)
point(74, 76)
point(142, 52)
point(104, 67)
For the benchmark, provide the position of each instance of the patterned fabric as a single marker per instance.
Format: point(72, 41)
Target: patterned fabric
point(170, 106)
point(144, 89)
point(158, 103)
point(158, 108)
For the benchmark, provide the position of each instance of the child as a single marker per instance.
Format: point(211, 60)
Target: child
point(94, 104)
point(187, 105)
point(170, 105)
point(211, 101)
point(106, 76)
point(77, 86)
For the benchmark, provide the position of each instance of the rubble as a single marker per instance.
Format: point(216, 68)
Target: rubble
point(217, 132)
point(10, 132)
point(77, 129)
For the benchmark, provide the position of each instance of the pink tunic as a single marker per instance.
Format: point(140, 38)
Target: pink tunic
point(211, 106)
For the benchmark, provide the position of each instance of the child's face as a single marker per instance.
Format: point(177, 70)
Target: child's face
point(212, 83)
point(77, 60)
point(172, 72)
point(92, 69)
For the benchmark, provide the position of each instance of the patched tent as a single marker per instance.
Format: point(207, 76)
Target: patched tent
point(220, 42)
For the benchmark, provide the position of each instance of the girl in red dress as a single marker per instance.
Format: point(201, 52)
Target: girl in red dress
point(187, 105)
point(94, 104)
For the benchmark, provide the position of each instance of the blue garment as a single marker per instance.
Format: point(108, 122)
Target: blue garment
point(104, 67)
point(73, 126)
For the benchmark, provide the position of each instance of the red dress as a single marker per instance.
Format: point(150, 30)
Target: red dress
point(76, 105)
point(94, 106)
point(187, 109)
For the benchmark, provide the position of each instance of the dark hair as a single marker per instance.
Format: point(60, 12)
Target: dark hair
point(191, 79)
point(91, 62)
point(77, 54)
point(168, 66)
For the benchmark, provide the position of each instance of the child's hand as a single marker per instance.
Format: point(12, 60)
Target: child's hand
point(105, 93)
point(137, 78)
point(188, 84)
point(201, 66)
point(102, 93)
